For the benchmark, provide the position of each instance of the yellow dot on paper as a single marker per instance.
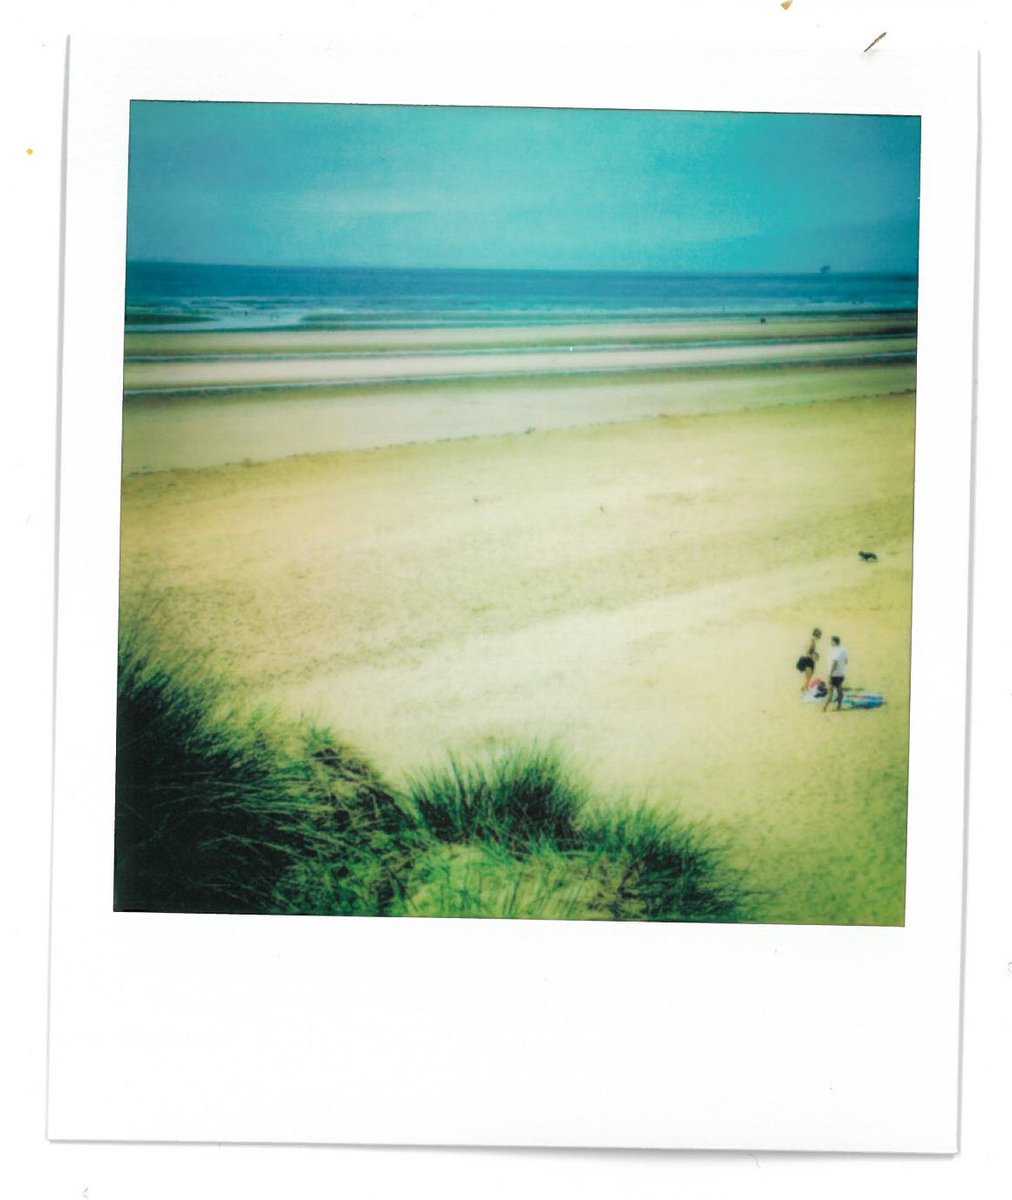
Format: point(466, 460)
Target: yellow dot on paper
point(29, 150)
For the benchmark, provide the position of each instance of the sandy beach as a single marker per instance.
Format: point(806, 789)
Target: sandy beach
point(625, 566)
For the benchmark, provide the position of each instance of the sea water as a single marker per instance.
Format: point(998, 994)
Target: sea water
point(208, 296)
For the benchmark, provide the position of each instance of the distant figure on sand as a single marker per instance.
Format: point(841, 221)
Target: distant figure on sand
point(837, 670)
point(806, 663)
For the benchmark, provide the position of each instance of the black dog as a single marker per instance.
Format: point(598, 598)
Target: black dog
point(868, 555)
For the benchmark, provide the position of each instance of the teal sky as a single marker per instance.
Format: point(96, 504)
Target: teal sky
point(370, 185)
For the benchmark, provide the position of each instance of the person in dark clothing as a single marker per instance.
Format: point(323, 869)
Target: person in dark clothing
point(806, 663)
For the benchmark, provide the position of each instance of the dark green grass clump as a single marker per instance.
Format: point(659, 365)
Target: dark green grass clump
point(218, 811)
point(221, 813)
point(520, 836)
point(515, 800)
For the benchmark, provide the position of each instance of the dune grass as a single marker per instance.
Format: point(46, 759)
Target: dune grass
point(521, 836)
point(219, 811)
point(235, 812)
point(516, 799)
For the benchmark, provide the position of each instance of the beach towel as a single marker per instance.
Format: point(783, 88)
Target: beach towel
point(861, 699)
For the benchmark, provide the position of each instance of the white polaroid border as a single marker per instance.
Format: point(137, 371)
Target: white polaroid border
point(357, 1030)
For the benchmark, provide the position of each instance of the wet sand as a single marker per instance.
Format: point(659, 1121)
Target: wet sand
point(313, 338)
point(233, 373)
point(632, 580)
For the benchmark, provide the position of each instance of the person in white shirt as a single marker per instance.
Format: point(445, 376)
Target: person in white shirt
point(837, 671)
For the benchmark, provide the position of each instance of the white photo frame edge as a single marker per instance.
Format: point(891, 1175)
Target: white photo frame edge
point(196, 1028)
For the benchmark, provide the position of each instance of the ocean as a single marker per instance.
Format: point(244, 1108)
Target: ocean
point(171, 296)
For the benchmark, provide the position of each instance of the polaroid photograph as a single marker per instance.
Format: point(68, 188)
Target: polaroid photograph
point(514, 550)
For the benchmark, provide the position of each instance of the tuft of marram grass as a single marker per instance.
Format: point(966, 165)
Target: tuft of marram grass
point(517, 799)
point(522, 836)
point(222, 812)
point(665, 868)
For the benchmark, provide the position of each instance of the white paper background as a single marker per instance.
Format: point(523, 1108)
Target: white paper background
point(163, 1171)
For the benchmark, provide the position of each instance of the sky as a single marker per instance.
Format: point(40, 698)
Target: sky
point(581, 189)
